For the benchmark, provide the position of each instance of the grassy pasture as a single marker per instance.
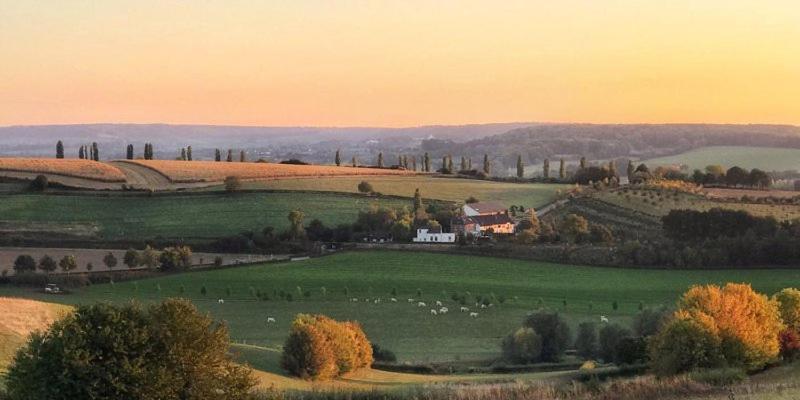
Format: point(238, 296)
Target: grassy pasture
point(659, 202)
point(765, 158)
point(411, 331)
point(449, 189)
point(195, 216)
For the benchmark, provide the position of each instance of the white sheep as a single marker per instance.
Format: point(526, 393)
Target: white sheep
point(354, 300)
point(377, 301)
point(464, 309)
point(473, 315)
point(603, 319)
point(438, 303)
point(410, 300)
point(483, 305)
point(421, 304)
point(443, 310)
point(433, 312)
point(393, 300)
point(220, 301)
point(270, 320)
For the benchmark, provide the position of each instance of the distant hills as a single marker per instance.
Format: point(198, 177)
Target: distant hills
point(502, 141)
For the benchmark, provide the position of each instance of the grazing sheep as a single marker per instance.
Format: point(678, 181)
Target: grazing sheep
point(393, 300)
point(270, 320)
point(464, 309)
point(354, 300)
point(410, 300)
point(473, 315)
point(421, 304)
point(220, 301)
point(438, 303)
point(491, 304)
point(603, 319)
point(483, 305)
point(443, 310)
point(377, 301)
point(433, 312)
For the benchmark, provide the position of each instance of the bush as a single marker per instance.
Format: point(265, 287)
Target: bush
point(631, 351)
point(586, 340)
point(143, 357)
point(320, 348)
point(39, 184)
point(684, 344)
point(554, 333)
point(648, 321)
point(609, 339)
point(523, 346)
point(365, 187)
point(383, 355)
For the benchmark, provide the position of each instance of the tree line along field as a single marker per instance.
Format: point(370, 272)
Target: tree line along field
point(764, 158)
point(449, 189)
point(187, 216)
point(410, 331)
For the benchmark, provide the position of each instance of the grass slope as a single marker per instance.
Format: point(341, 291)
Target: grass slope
point(410, 331)
point(18, 319)
point(449, 189)
point(196, 216)
point(765, 158)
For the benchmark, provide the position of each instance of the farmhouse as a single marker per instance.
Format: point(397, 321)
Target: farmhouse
point(425, 235)
point(482, 218)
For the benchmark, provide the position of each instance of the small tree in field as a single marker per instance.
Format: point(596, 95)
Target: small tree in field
point(148, 257)
point(24, 263)
point(232, 184)
point(47, 264)
point(175, 258)
point(131, 258)
point(68, 263)
point(365, 187)
point(110, 260)
point(523, 346)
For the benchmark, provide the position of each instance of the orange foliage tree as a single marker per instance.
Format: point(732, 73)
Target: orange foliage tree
point(733, 321)
point(321, 348)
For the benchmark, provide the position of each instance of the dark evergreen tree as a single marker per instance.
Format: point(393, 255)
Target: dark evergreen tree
point(562, 170)
point(338, 159)
point(520, 167)
point(59, 149)
point(230, 156)
point(183, 154)
point(189, 153)
point(217, 155)
point(487, 169)
point(95, 152)
point(380, 160)
point(426, 166)
point(242, 156)
point(81, 154)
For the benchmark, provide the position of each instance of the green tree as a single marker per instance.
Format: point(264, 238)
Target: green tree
point(296, 218)
point(24, 263)
point(40, 183)
point(59, 149)
point(68, 263)
point(338, 159)
point(110, 260)
point(609, 338)
point(520, 167)
point(183, 154)
point(47, 264)
point(131, 258)
point(175, 258)
point(165, 351)
point(554, 332)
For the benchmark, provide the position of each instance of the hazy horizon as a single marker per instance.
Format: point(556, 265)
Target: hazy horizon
point(390, 65)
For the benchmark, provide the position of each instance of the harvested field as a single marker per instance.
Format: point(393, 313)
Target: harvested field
point(211, 171)
point(76, 168)
point(19, 318)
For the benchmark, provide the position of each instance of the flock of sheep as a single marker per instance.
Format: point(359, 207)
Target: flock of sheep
point(440, 310)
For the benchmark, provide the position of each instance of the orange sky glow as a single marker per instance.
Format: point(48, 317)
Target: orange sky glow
point(398, 63)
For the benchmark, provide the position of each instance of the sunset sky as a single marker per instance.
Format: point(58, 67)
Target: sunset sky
point(398, 63)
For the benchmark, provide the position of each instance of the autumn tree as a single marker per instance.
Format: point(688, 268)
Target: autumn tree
point(68, 263)
point(296, 218)
point(148, 257)
point(574, 227)
point(175, 258)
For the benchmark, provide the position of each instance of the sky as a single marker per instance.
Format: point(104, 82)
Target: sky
point(398, 63)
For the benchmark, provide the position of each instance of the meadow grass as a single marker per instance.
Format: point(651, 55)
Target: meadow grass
point(410, 331)
point(189, 216)
point(765, 158)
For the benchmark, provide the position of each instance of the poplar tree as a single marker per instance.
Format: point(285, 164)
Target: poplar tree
point(546, 169)
point(417, 200)
point(80, 153)
point(380, 160)
point(59, 149)
point(520, 167)
point(562, 170)
point(486, 167)
point(426, 167)
point(230, 156)
point(463, 163)
point(355, 164)
point(242, 156)
point(450, 164)
point(189, 153)
point(217, 155)
point(183, 154)
point(337, 159)
point(95, 152)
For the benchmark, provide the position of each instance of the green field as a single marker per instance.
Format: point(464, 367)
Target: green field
point(765, 158)
point(411, 331)
point(195, 216)
point(449, 189)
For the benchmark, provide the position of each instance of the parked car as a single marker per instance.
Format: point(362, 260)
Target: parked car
point(52, 288)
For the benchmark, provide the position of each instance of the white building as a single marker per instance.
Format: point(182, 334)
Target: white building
point(426, 236)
